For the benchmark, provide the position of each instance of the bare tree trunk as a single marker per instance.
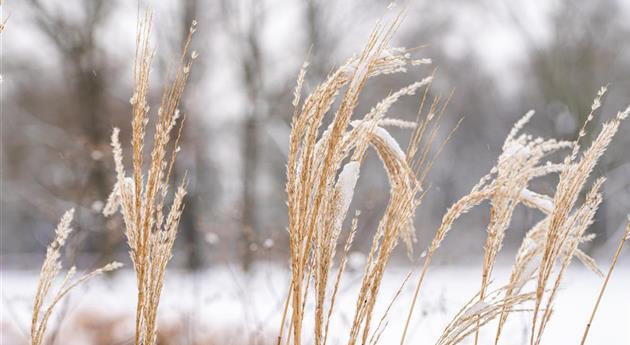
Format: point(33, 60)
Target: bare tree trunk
point(574, 64)
point(248, 216)
point(76, 42)
point(189, 228)
point(251, 69)
point(317, 38)
point(90, 88)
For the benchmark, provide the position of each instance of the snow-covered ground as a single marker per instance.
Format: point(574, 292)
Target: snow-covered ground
point(225, 304)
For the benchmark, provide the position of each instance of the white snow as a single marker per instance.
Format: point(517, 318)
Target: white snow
point(390, 142)
point(475, 309)
point(224, 301)
point(346, 183)
point(542, 202)
point(516, 149)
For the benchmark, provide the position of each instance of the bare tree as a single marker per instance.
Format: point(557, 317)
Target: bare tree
point(194, 163)
point(244, 25)
point(84, 65)
point(584, 53)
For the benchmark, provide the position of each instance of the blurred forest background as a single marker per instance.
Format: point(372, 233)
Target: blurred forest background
point(67, 81)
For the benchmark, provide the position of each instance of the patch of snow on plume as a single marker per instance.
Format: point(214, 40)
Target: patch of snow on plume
point(424, 61)
point(514, 148)
point(346, 183)
point(363, 67)
point(114, 200)
point(542, 202)
point(475, 309)
point(390, 142)
point(528, 271)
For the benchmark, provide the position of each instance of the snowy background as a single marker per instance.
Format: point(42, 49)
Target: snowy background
point(223, 306)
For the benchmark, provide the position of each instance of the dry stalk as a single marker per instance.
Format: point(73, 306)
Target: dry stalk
point(478, 312)
point(624, 238)
point(564, 231)
point(45, 300)
point(142, 198)
point(556, 237)
point(505, 187)
point(322, 172)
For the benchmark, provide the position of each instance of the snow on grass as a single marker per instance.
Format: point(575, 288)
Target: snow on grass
point(346, 182)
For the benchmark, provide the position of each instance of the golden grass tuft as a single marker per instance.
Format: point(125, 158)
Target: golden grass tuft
point(551, 243)
point(141, 198)
point(322, 171)
point(45, 298)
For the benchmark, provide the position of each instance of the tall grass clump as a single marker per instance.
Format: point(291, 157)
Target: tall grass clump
point(322, 171)
point(567, 223)
point(549, 246)
point(45, 297)
point(142, 197)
